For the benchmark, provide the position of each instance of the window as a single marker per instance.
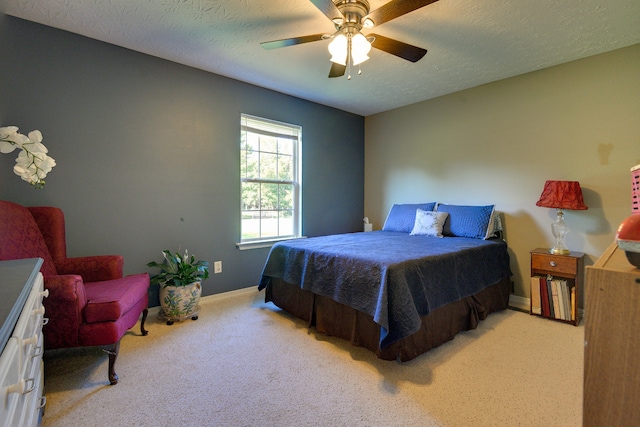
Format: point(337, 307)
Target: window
point(270, 178)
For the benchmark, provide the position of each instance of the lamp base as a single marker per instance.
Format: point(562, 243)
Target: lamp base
point(559, 230)
point(559, 251)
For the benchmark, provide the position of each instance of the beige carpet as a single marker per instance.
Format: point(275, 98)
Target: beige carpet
point(246, 363)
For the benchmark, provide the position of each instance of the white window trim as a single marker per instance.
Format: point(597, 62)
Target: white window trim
point(265, 243)
point(297, 188)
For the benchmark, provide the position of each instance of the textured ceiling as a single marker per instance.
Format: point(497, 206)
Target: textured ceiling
point(469, 42)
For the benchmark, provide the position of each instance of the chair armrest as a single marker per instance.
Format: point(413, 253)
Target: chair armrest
point(92, 268)
point(63, 306)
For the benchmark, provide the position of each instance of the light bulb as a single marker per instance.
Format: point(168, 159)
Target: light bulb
point(338, 49)
point(360, 47)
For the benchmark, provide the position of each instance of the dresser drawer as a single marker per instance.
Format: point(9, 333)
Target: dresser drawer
point(30, 320)
point(554, 264)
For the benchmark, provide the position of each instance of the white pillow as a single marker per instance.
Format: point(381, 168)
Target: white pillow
point(429, 223)
point(495, 225)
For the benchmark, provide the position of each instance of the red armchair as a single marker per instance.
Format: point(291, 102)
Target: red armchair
point(89, 302)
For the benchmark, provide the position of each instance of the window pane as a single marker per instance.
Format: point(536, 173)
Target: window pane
point(269, 196)
point(285, 196)
point(268, 165)
point(252, 165)
point(269, 224)
point(268, 144)
point(250, 225)
point(285, 146)
point(286, 223)
point(250, 196)
point(285, 168)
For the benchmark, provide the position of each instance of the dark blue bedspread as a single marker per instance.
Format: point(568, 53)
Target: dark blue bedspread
point(394, 277)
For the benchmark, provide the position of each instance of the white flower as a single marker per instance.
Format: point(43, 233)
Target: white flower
point(32, 163)
point(34, 142)
point(10, 139)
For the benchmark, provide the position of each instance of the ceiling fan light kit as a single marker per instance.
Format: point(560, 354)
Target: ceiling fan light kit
point(349, 46)
point(345, 47)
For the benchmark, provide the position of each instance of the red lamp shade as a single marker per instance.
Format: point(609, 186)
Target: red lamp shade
point(562, 195)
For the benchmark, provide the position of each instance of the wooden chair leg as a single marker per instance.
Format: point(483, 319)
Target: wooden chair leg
point(144, 318)
point(112, 350)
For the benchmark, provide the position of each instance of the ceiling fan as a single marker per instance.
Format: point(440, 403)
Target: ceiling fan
point(349, 46)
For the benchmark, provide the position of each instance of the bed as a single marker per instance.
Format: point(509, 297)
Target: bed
point(433, 271)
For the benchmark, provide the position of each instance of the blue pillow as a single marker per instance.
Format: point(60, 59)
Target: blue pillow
point(403, 217)
point(466, 221)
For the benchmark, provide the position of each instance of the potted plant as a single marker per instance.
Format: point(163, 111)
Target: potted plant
point(180, 281)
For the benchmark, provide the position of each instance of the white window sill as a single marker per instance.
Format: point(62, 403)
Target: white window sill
point(257, 244)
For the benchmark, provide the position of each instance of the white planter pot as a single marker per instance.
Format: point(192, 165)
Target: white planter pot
point(180, 302)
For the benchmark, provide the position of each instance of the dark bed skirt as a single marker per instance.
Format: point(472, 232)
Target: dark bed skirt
point(439, 326)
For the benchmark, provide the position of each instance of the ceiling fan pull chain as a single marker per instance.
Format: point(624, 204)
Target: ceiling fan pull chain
point(349, 58)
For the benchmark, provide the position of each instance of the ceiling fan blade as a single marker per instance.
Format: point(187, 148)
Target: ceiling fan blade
point(399, 49)
point(275, 44)
point(337, 70)
point(395, 9)
point(328, 8)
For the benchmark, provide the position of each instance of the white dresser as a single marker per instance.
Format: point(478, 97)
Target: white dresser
point(21, 367)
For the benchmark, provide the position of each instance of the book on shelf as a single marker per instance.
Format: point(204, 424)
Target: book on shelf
point(536, 307)
point(544, 296)
point(573, 303)
point(552, 312)
point(566, 299)
point(565, 303)
point(557, 305)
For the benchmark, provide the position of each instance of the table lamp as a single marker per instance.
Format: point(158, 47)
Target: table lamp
point(561, 195)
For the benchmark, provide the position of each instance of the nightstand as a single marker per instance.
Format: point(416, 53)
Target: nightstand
point(556, 285)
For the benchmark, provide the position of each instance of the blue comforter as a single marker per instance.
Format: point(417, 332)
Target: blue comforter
point(394, 277)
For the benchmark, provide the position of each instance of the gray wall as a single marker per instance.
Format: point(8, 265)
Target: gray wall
point(147, 151)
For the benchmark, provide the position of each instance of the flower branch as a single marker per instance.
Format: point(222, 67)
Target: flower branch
point(32, 164)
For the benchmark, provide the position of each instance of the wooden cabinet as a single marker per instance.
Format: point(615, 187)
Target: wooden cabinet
point(21, 342)
point(612, 342)
point(567, 268)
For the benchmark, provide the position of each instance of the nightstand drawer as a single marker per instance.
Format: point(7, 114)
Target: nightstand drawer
point(559, 264)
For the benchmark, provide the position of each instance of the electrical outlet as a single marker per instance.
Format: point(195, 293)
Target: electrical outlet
point(217, 267)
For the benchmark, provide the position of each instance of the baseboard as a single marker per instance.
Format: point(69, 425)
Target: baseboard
point(216, 297)
point(519, 303)
point(229, 294)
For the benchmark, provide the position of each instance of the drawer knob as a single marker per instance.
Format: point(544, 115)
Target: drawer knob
point(553, 263)
point(18, 387)
point(30, 341)
point(22, 386)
